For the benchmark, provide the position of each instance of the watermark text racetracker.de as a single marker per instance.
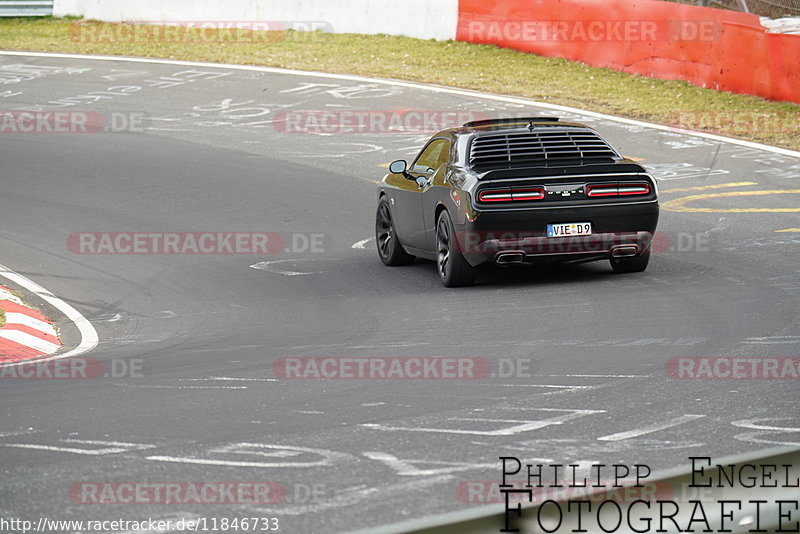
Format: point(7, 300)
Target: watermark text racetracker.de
point(594, 31)
point(401, 121)
point(76, 368)
point(491, 491)
point(197, 242)
point(537, 242)
point(71, 122)
point(402, 368)
point(198, 31)
point(173, 492)
point(752, 122)
point(733, 368)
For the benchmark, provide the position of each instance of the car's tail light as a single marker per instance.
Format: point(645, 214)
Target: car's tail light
point(531, 193)
point(624, 189)
point(511, 194)
point(602, 190)
point(634, 189)
point(495, 195)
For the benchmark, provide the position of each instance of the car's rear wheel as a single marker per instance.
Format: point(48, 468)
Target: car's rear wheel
point(635, 264)
point(453, 268)
point(390, 250)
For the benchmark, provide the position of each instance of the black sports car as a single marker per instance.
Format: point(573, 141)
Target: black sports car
point(512, 191)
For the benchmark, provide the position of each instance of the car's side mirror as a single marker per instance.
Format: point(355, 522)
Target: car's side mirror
point(399, 167)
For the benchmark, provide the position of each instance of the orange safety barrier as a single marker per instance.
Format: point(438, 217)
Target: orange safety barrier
point(714, 48)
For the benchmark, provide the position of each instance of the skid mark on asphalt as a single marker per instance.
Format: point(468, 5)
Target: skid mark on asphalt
point(789, 283)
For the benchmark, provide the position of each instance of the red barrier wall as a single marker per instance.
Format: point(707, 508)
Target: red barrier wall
point(713, 48)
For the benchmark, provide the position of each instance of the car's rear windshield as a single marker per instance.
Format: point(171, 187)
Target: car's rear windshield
point(543, 147)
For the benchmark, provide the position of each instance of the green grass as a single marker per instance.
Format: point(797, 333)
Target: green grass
point(479, 67)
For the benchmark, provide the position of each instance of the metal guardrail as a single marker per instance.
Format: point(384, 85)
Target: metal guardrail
point(675, 485)
point(26, 8)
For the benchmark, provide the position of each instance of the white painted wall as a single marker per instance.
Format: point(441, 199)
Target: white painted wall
point(424, 19)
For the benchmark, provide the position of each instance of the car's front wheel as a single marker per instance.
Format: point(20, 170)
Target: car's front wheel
point(390, 250)
point(635, 264)
point(453, 268)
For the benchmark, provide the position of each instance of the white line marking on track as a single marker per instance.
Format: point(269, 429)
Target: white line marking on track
point(597, 376)
point(751, 424)
point(523, 426)
point(361, 245)
point(155, 386)
point(89, 338)
point(773, 340)
point(407, 467)
point(327, 457)
point(107, 447)
point(414, 85)
point(222, 379)
point(389, 345)
point(619, 436)
point(138, 446)
point(554, 386)
point(761, 431)
point(267, 266)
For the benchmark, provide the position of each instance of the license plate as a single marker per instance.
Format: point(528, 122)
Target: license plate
point(569, 229)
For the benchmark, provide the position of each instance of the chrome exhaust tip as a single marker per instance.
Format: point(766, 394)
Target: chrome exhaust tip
point(506, 258)
point(624, 251)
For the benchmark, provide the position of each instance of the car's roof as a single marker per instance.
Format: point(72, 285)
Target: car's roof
point(518, 123)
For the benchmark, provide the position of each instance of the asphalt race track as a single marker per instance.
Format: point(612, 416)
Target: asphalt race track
point(594, 347)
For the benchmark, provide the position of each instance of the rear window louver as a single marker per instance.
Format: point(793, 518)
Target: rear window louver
point(539, 148)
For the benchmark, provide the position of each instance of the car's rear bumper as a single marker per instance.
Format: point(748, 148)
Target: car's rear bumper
point(520, 236)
